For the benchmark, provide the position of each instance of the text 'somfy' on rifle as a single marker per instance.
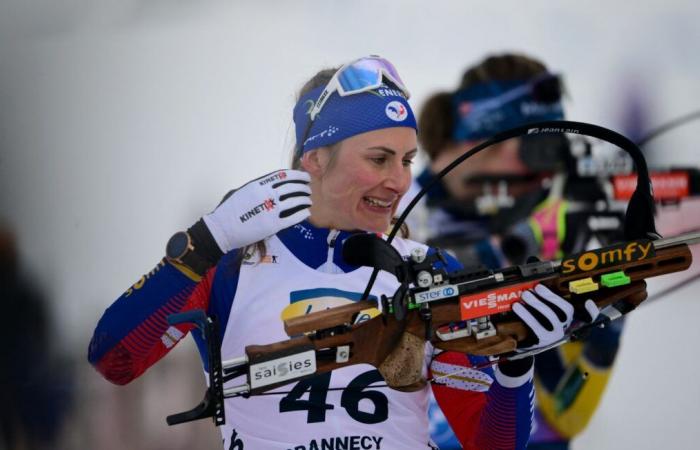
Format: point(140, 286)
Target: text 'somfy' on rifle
point(465, 311)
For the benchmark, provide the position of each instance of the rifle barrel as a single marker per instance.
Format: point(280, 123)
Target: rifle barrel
point(688, 238)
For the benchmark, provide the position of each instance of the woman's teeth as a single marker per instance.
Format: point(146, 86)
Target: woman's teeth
point(377, 202)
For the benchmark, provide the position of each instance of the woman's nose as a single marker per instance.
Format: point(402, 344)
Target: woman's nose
point(399, 178)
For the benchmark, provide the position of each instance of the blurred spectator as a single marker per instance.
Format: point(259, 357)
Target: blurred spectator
point(35, 387)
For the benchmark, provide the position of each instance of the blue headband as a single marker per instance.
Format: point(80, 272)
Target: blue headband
point(486, 109)
point(344, 117)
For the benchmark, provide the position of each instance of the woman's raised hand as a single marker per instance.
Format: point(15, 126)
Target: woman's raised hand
point(260, 208)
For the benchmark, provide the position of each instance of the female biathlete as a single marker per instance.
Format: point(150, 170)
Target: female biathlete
point(272, 250)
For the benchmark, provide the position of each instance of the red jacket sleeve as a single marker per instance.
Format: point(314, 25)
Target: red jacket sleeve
point(133, 333)
point(485, 409)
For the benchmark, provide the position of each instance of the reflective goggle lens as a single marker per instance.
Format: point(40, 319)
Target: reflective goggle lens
point(366, 73)
point(354, 79)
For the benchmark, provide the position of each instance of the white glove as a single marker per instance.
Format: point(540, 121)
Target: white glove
point(547, 315)
point(260, 208)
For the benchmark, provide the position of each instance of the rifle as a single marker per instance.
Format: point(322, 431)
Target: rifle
point(466, 311)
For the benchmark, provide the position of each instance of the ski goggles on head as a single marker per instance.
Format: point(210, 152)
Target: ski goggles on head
point(370, 96)
point(489, 108)
point(359, 76)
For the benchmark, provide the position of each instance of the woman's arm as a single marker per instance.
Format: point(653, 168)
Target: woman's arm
point(486, 409)
point(500, 417)
point(133, 333)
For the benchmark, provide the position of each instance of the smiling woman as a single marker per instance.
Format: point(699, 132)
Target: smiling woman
point(357, 184)
point(271, 250)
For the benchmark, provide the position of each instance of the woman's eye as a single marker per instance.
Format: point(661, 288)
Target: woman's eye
point(407, 162)
point(379, 160)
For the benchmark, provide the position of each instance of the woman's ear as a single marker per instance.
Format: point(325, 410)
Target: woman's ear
point(314, 162)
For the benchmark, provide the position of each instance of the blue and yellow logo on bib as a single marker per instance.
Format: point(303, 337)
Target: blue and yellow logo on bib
point(308, 301)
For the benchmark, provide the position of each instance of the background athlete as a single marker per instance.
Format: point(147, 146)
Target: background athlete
point(506, 204)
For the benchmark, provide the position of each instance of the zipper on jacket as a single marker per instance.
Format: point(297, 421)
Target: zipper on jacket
point(329, 266)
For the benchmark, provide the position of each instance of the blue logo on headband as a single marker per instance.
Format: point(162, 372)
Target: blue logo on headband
point(344, 117)
point(486, 109)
